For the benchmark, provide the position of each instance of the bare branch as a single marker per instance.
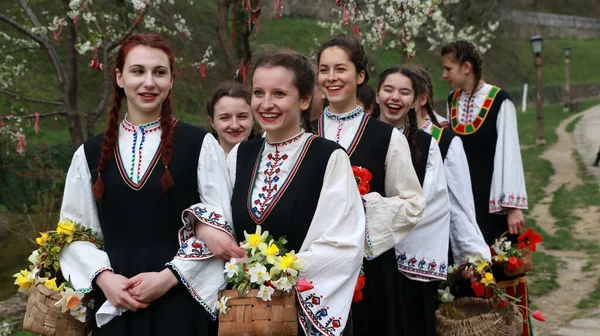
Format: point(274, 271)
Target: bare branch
point(34, 100)
point(42, 115)
point(43, 41)
point(19, 50)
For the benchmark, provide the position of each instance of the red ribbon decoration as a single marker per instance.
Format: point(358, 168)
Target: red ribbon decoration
point(203, 70)
point(37, 123)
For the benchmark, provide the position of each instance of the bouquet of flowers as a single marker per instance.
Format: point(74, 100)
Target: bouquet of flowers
point(262, 299)
point(45, 282)
point(515, 259)
point(362, 176)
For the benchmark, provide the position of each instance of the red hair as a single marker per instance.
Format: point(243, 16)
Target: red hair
point(166, 118)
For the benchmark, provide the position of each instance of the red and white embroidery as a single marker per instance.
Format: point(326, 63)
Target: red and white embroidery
point(512, 200)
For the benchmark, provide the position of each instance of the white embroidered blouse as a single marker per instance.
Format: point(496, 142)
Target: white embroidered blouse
point(82, 261)
point(508, 180)
point(465, 235)
point(389, 218)
point(332, 250)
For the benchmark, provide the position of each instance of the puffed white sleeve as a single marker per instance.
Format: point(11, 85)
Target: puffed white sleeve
point(232, 164)
point(332, 251)
point(423, 254)
point(508, 180)
point(465, 236)
point(390, 218)
point(194, 264)
point(81, 261)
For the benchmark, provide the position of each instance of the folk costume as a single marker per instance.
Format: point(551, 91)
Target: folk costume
point(303, 188)
point(486, 122)
point(140, 226)
point(392, 208)
point(422, 254)
point(465, 236)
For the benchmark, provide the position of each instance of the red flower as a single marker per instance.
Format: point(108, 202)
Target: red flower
point(478, 288)
point(538, 316)
point(304, 285)
point(529, 239)
point(360, 284)
point(514, 263)
point(362, 176)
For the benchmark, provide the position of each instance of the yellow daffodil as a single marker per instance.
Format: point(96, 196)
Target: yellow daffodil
point(70, 300)
point(482, 266)
point(288, 263)
point(270, 251)
point(25, 280)
point(252, 240)
point(488, 279)
point(67, 228)
point(51, 284)
point(41, 240)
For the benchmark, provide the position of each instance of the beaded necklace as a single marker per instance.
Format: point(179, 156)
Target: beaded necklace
point(340, 119)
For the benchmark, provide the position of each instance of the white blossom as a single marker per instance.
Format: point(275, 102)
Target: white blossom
point(265, 292)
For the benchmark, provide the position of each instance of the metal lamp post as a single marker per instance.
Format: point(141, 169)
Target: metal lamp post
point(537, 46)
point(567, 55)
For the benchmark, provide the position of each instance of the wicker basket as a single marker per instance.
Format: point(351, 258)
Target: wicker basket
point(42, 317)
point(478, 320)
point(526, 259)
point(251, 316)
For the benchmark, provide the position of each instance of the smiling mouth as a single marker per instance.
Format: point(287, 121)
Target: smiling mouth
point(334, 89)
point(269, 117)
point(235, 134)
point(148, 96)
point(393, 108)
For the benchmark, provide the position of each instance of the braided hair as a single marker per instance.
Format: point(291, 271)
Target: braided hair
point(413, 127)
point(304, 76)
point(166, 116)
point(426, 87)
point(461, 52)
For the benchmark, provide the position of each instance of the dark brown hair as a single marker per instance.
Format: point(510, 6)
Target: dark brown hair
point(166, 119)
point(418, 89)
point(463, 51)
point(426, 87)
point(304, 75)
point(231, 89)
point(366, 95)
point(353, 48)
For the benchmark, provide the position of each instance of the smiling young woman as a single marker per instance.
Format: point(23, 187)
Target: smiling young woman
point(300, 186)
point(230, 115)
point(130, 186)
point(395, 202)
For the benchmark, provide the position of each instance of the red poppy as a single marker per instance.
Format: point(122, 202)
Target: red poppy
point(362, 176)
point(304, 285)
point(360, 284)
point(478, 288)
point(529, 239)
point(538, 316)
point(514, 263)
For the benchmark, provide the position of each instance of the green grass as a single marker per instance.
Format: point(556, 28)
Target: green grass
point(593, 299)
point(544, 279)
point(571, 126)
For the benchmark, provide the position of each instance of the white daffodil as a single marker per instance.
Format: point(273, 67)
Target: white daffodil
point(259, 274)
point(475, 259)
point(265, 293)
point(445, 295)
point(282, 284)
point(79, 314)
point(231, 268)
point(71, 300)
point(34, 258)
point(221, 305)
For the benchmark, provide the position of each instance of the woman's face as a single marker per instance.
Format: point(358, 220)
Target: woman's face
point(276, 103)
point(338, 78)
point(455, 73)
point(395, 98)
point(146, 79)
point(232, 120)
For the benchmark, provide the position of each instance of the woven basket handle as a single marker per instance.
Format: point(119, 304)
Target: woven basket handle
point(503, 235)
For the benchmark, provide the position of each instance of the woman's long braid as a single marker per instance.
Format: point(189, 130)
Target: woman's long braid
point(109, 142)
point(413, 134)
point(166, 147)
point(306, 121)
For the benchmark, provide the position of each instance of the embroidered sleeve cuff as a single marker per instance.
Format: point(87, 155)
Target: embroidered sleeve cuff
point(508, 200)
point(315, 318)
point(93, 280)
point(206, 215)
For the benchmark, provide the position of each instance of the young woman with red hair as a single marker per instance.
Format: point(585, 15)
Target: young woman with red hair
point(130, 186)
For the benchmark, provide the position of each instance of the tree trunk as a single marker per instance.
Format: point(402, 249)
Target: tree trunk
point(70, 88)
point(231, 58)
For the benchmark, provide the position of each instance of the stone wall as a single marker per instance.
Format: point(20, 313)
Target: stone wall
point(523, 24)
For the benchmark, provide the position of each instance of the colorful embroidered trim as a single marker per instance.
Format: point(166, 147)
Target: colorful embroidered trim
point(422, 268)
point(473, 126)
point(508, 201)
point(123, 171)
point(190, 247)
point(311, 307)
point(347, 116)
point(89, 289)
point(192, 291)
point(259, 219)
point(436, 132)
point(211, 218)
point(286, 142)
point(357, 136)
